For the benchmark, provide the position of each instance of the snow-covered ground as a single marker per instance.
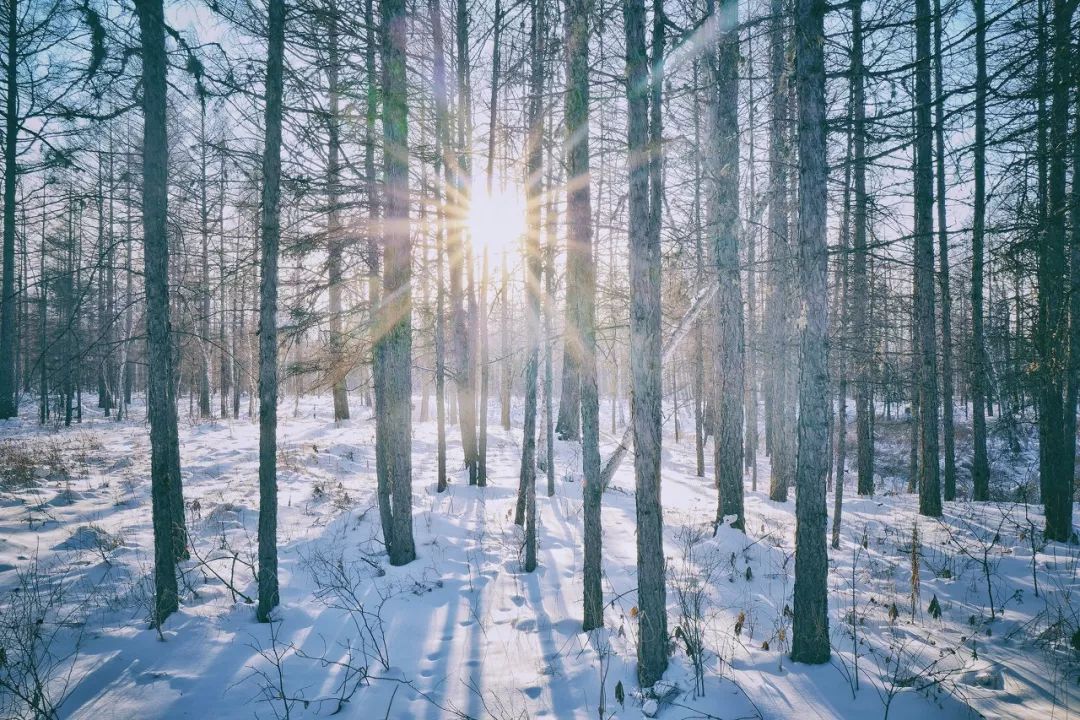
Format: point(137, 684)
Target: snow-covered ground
point(463, 631)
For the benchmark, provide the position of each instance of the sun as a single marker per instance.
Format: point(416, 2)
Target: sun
point(496, 220)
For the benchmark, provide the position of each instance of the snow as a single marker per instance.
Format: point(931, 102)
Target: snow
point(464, 632)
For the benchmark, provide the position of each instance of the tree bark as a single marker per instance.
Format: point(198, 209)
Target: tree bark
point(980, 467)
point(928, 471)
point(728, 378)
point(948, 434)
point(334, 241)
point(810, 626)
point(9, 406)
point(268, 291)
point(534, 173)
point(462, 300)
point(580, 237)
point(166, 494)
point(645, 362)
point(393, 347)
point(780, 401)
point(864, 352)
point(1055, 450)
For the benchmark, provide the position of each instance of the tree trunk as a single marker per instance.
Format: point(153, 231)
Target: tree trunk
point(1055, 450)
point(980, 467)
point(864, 348)
point(645, 362)
point(810, 626)
point(393, 347)
point(224, 356)
point(461, 289)
point(534, 173)
point(780, 402)
point(204, 271)
point(374, 281)
point(485, 376)
point(550, 221)
point(444, 160)
point(929, 472)
point(9, 406)
point(166, 494)
point(948, 435)
point(1072, 392)
point(728, 377)
point(506, 366)
point(485, 336)
point(699, 260)
point(268, 292)
point(580, 237)
point(334, 240)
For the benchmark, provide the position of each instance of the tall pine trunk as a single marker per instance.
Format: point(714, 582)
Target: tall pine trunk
point(526, 508)
point(980, 467)
point(580, 237)
point(204, 363)
point(780, 402)
point(334, 241)
point(810, 626)
point(948, 434)
point(393, 345)
point(860, 305)
point(645, 362)
point(268, 297)
point(728, 374)
point(1056, 451)
point(925, 322)
point(8, 400)
point(167, 503)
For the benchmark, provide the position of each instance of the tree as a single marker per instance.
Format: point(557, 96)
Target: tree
point(780, 398)
point(393, 343)
point(948, 433)
point(204, 266)
point(167, 501)
point(810, 626)
point(268, 291)
point(9, 406)
point(645, 365)
point(729, 378)
point(859, 284)
point(980, 467)
point(526, 505)
point(334, 241)
point(1056, 452)
point(925, 321)
point(579, 237)
point(462, 297)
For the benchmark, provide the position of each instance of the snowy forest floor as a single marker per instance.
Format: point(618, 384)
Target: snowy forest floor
point(464, 632)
